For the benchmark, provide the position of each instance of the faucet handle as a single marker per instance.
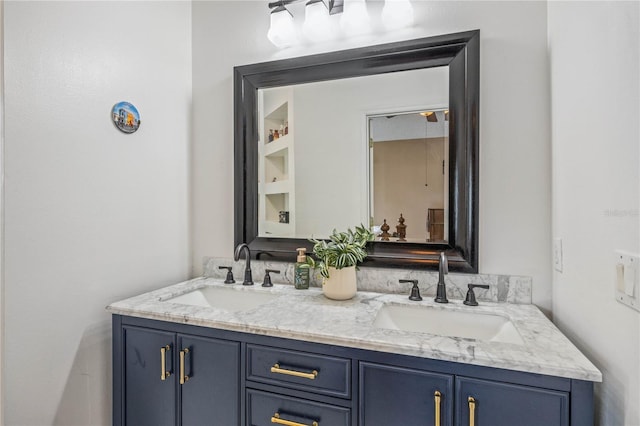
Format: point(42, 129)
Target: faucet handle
point(229, 279)
point(267, 277)
point(415, 291)
point(470, 300)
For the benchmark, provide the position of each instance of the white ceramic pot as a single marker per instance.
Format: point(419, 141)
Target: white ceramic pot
point(341, 284)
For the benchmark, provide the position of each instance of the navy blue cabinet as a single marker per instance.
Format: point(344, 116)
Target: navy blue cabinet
point(402, 396)
point(175, 374)
point(169, 378)
point(210, 394)
point(150, 393)
point(490, 403)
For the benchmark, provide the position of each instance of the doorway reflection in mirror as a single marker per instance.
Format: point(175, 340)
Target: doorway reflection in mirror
point(409, 173)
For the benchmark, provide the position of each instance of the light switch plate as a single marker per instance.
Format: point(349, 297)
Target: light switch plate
point(627, 281)
point(557, 254)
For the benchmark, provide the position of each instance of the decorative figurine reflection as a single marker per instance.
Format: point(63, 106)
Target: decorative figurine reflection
point(385, 231)
point(401, 229)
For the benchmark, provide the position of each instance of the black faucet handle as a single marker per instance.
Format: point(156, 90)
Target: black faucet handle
point(471, 286)
point(415, 291)
point(229, 279)
point(267, 278)
point(470, 300)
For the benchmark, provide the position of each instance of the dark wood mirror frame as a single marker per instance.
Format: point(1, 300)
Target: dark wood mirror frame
point(461, 53)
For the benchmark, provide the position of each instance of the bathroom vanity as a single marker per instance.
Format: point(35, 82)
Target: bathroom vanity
point(202, 352)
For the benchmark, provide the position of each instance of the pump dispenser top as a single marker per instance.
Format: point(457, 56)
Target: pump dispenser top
point(302, 255)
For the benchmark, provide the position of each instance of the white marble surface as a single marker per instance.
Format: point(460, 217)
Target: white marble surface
point(307, 315)
point(502, 288)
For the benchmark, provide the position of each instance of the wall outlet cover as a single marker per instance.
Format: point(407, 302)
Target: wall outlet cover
point(627, 279)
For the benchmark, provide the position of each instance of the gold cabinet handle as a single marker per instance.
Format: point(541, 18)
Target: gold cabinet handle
point(276, 419)
point(311, 376)
point(183, 377)
point(472, 411)
point(163, 362)
point(437, 396)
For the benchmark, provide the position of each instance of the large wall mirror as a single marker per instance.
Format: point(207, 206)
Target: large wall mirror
point(384, 135)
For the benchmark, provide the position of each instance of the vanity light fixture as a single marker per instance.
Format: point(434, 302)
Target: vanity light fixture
point(282, 32)
point(319, 25)
point(397, 14)
point(355, 18)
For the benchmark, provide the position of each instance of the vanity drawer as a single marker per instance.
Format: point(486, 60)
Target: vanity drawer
point(320, 374)
point(268, 409)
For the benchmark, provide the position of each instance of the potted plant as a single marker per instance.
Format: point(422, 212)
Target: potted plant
point(337, 260)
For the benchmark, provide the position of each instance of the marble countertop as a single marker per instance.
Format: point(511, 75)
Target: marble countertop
point(307, 315)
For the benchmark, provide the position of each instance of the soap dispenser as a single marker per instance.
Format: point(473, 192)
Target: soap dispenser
point(302, 270)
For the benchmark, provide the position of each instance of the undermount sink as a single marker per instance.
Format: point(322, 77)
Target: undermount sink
point(448, 322)
point(224, 298)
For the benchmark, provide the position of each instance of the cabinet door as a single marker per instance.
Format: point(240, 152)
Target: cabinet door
point(148, 399)
point(401, 396)
point(497, 404)
point(211, 394)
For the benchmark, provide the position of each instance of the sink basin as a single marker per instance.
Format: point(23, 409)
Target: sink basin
point(224, 298)
point(448, 322)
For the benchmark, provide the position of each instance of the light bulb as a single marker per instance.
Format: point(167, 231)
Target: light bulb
point(397, 14)
point(355, 18)
point(318, 25)
point(282, 32)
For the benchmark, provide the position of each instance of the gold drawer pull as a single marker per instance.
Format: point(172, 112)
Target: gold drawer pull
point(276, 419)
point(163, 362)
point(472, 411)
point(311, 376)
point(437, 397)
point(183, 378)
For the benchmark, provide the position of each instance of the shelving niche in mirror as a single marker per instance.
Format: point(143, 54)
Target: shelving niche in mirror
point(454, 55)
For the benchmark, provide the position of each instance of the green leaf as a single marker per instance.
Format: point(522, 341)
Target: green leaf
point(343, 249)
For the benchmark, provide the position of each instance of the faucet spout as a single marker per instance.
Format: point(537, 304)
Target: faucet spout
point(248, 280)
point(443, 269)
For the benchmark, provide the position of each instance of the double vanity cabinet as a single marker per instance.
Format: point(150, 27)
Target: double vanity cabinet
point(188, 365)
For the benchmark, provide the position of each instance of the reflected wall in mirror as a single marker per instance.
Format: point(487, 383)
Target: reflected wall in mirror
point(261, 166)
point(409, 175)
point(314, 151)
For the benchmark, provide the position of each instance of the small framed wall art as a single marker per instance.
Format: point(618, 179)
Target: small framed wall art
point(283, 216)
point(126, 117)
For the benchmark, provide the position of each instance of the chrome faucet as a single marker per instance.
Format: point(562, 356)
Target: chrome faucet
point(443, 269)
point(248, 280)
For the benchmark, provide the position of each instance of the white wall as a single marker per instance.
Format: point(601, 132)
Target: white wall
point(514, 128)
point(92, 215)
point(595, 64)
